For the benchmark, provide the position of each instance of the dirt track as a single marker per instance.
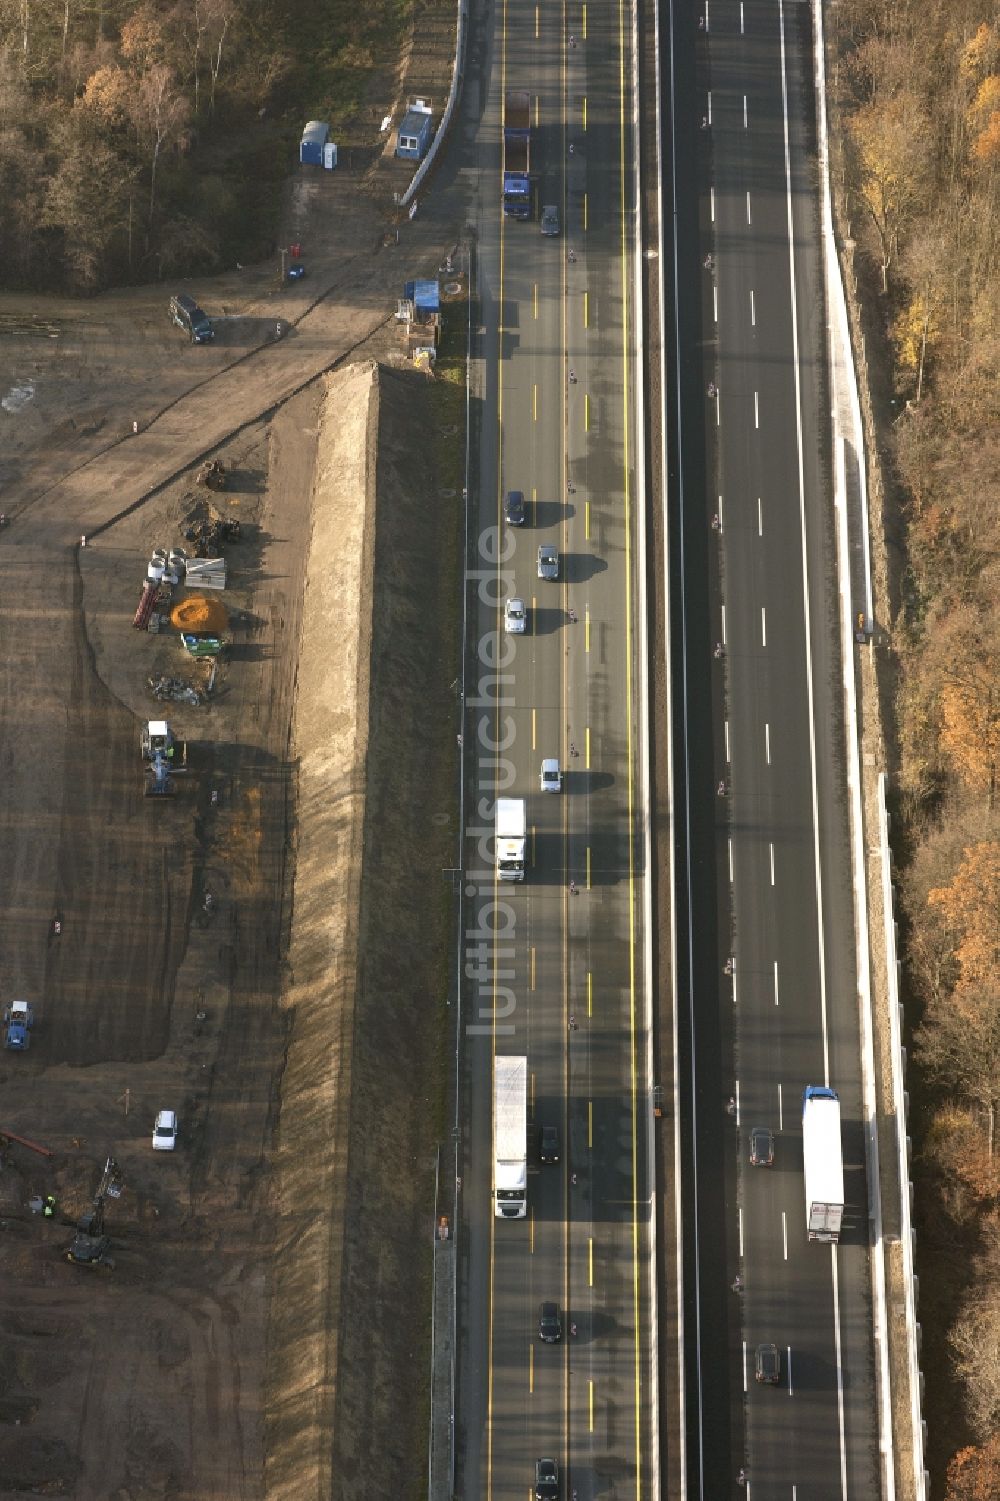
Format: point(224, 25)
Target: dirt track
point(150, 1381)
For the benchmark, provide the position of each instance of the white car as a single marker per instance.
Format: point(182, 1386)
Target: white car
point(515, 617)
point(165, 1131)
point(551, 777)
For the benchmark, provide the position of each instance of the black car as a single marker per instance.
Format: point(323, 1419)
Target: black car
point(550, 1144)
point(513, 508)
point(767, 1365)
point(761, 1147)
point(546, 1480)
point(549, 1324)
point(186, 313)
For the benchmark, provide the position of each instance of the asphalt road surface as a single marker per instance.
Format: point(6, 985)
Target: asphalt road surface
point(567, 942)
point(762, 777)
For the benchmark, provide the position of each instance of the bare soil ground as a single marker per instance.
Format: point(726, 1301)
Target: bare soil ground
point(170, 1376)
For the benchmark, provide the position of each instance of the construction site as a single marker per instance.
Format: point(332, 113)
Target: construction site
point(220, 679)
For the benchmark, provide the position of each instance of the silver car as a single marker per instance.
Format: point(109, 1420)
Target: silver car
point(550, 219)
point(515, 617)
point(548, 561)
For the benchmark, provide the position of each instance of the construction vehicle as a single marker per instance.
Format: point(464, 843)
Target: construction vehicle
point(91, 1247)
point(212, 474)
point(19, 1018)
point(517, 192)
point(164, 758)
point(206, 529)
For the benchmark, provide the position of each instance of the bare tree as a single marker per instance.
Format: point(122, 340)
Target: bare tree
point(161, 114)
point(975, 1346)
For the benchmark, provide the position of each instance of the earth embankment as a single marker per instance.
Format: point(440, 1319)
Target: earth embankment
point(362, 1094)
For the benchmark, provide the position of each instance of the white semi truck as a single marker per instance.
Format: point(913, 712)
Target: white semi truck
point(510, 838)
point(823, 1159)
point(510, 1138)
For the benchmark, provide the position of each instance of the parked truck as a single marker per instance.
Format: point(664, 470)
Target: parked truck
point(517, 155)
point(510, 838)
point(510, 1137)
point(823, 1158)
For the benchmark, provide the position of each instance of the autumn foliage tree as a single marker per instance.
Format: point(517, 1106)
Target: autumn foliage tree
point(190, 116)
point(918, 100)
point(974, 1473)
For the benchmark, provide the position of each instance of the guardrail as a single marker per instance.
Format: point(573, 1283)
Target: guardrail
point(907, 1234)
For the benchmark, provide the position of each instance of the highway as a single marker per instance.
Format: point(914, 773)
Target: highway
point(553, 966)
point(761, 776)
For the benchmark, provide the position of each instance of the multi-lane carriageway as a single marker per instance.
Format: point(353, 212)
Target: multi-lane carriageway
point(762, 870)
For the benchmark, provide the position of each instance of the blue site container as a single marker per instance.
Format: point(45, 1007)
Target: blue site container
point(314, 138)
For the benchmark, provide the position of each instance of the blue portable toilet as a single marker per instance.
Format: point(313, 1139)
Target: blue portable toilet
point(414, 134)
point(314, 138)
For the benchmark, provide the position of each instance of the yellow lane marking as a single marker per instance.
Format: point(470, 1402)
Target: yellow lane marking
point(584, 23)
point(534, 403)
point(624, 14)
point(588, 867)
point(536, 22)
point(586, 412)
point(534, 299)
point(590, 1124)
point(584, 111)
point(586, 519)
point(590, 1384)
point(590, 1261)
point(534, 744)
point(587, 743)
point(531, 1368)
point(586, 633)
point(590, 994)
point(531, 1232)
point(586, 309)
point(585, 213)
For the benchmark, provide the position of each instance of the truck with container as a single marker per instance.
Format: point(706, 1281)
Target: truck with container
point(510, 1137)
point(823, 1160)
point(510, 838)
point(517, 155)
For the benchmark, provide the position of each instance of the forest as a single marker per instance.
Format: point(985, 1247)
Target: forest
point(143, 140)
point(918, 93)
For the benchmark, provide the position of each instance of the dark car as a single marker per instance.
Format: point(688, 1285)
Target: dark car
point(546, 1480)
point(761, 1147)
point(296, 271)
point(549, 1324)
point(186, 313)
point(550, 219)
point(513, 508)
point(550, 1144)
point(767, 1365)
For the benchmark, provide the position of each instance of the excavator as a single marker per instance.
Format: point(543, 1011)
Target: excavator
point(164, 758)
point(91, 1247)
